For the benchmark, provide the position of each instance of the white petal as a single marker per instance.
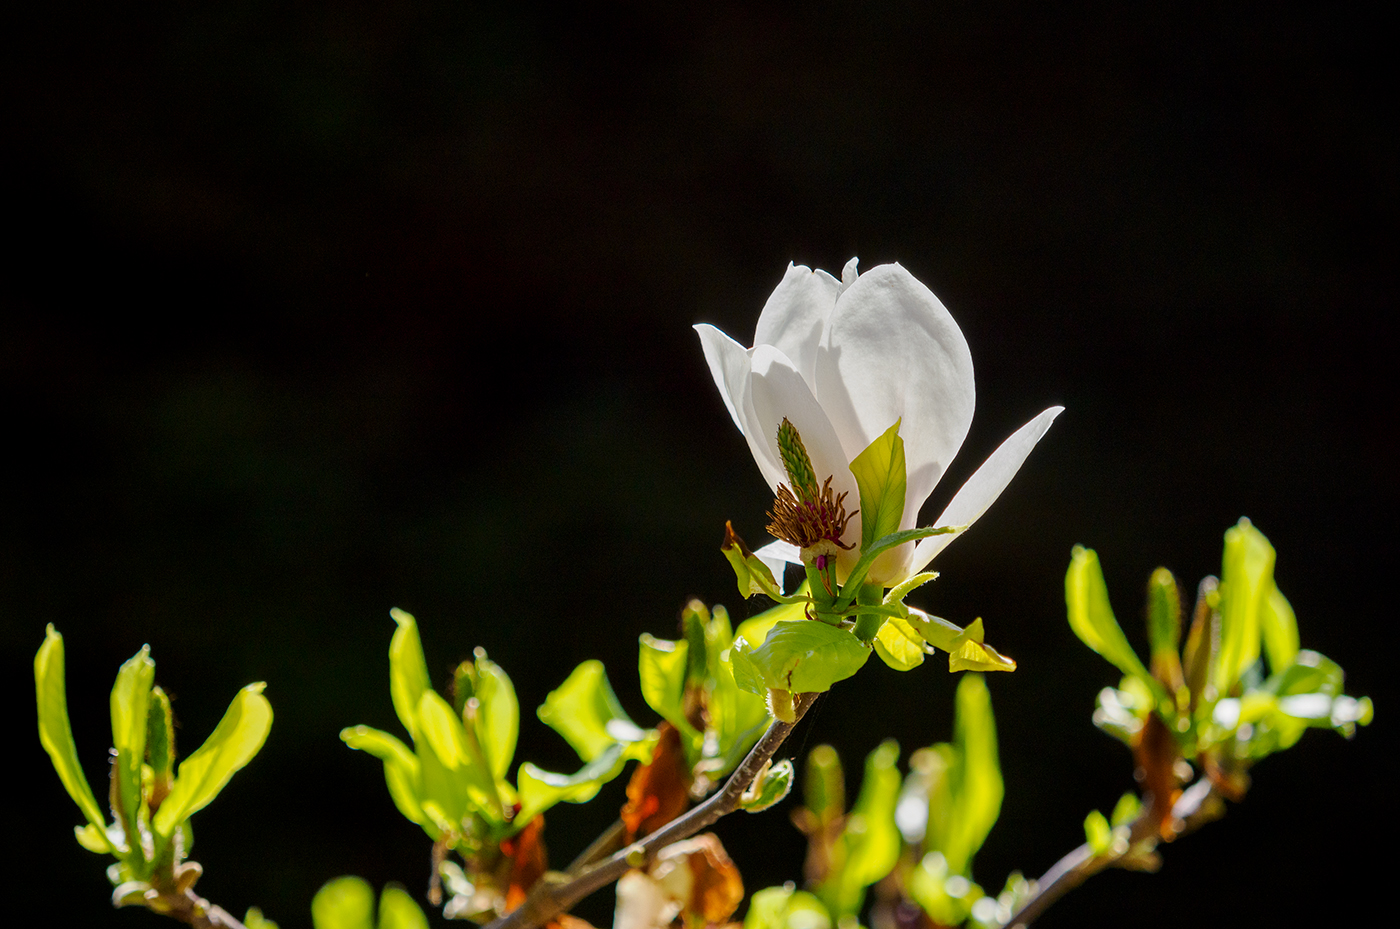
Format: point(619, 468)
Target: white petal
point(982, 489)
point(777, 556)
point(777, 391)
point(892, 351)
point(849, 275)
point(729, 366)
point(795, 315)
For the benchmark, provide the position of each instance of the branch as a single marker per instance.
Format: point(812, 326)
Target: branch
point(1191, 810)
point(188, 907)
point(550, 897)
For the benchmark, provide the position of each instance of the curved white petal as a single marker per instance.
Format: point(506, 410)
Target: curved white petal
point(777, 556)
point(795, 315)
point(777, 391)
point(985, 485)
point(729, 366)
point(892, 351)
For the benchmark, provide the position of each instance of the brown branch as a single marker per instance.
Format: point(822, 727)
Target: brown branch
point(550, 897)
point(192, 909)
point(1192, 810)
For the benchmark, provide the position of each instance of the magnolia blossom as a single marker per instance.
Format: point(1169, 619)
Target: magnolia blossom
point(843, 361)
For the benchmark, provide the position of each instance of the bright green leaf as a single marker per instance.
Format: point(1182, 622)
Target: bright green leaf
point(343, 903)
point(1279, 627)
point(401, 770)
point(498, 714)
point(397, 910)
point(1126, 809)
point(786, 908)
point(899, 644)
point(539, 789)
point(870, 837)
point(56, 735)
point(584, 710)
point(1245, 579)
point(1163, 613)
point(661, 666)
point(969, 653)
point(880, 474)
point(442, 729)
point(800, 656)
point(1097, 833)
point(770, 787)
point(408, 670)
point(1091, 617)
point(234, 742)
point(975, 780)
point(254, 919)
point(130, 703)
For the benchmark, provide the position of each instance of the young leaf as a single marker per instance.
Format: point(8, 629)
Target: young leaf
point(497, 715)
point(799, 657)
point(871, 839)
point(899, 644)
point(1279, 628)
point(770, 787)
point(1245, 578)
point(662, 666)
point(408, 670)
point(584, 710)
point(343, 903)
point(539, 789)
point(786, 908)
point(232, 745)
point(56, 735)
point(880, 474)
point(401, 770)
point(130, 701)
point(444, 733)
point(975, 780)
point(1090, 616)
point(397, 910)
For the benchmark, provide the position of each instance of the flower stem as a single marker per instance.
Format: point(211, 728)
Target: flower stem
point(550, 897)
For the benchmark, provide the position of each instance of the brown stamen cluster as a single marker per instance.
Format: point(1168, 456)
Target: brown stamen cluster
point(814, 524)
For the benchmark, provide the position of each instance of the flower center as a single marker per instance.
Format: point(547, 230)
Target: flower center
point(812, 518)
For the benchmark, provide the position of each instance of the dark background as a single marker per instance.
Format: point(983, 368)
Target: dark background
point(310, 313)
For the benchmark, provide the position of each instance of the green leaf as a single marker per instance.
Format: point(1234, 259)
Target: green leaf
point(1126, 809)
point(736, 716)
point(540, 789)
point(970, 653)
point(343, 903)
point(234, 742)
point(786, 908)
point(899, 644)
point(769, 788)
point(1097, 833)
point(1090, 616)
point(497, 716)
point(56, 735)
point(662, 666)
point(752, 575)
point(880, 474)
point(442, 729)
point(1163, 612)
point(871, 839)
point(975, 780)
point(1279, 628)
point(408, 670)
point(401, 770)
point(254, 919)
point(800, 656)
point(1245, 578)
point(130, 703)
point(397, 910)
point(584, 710)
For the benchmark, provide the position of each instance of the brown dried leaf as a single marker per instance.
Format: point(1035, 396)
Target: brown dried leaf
point(659, 791)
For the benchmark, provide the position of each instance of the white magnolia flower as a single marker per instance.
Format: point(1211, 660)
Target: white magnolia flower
point(843, 360)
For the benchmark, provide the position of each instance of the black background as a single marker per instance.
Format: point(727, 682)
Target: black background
point(313, 312)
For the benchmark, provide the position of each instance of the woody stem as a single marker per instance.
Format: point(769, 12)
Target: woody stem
point(547, 899)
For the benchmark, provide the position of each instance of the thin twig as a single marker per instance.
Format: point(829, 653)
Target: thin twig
point(1191, 810)
point(548, 898)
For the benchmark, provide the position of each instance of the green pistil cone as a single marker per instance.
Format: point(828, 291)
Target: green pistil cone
point(796, 461)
